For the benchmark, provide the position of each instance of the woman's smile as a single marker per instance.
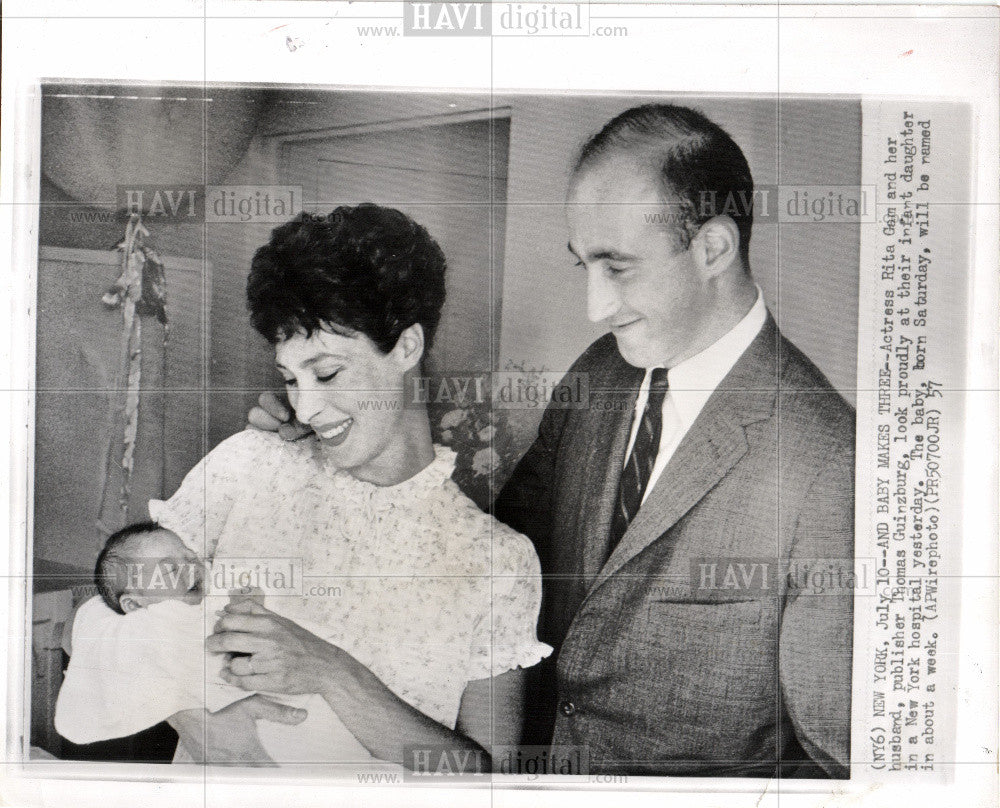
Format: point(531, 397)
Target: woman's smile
point(334, 433)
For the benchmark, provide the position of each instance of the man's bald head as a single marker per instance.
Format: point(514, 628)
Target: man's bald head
point(696, 164)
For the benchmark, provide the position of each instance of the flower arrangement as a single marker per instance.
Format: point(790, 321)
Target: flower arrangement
point(488, 437)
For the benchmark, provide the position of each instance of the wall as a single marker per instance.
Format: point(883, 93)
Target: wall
point(79, 413)
point(239, 361)
point(94, 139)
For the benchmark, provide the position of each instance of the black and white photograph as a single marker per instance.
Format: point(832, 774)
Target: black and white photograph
point(415, 439)
point(414, 283)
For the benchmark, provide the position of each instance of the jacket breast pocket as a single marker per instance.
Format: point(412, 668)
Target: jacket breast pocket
point(723, 649)
point(706, 613)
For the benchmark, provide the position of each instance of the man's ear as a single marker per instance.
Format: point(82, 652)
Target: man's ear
point(409, 348)
point(129, 603)
point(717, 245)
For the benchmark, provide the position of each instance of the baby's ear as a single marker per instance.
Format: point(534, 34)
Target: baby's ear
point(129, 603)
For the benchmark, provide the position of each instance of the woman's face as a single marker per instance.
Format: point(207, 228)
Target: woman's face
point(351, 394)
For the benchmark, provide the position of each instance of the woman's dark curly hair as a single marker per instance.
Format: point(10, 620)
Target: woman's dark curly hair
point(366, 269)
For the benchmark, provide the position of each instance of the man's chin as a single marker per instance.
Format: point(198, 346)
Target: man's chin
point(631, 354)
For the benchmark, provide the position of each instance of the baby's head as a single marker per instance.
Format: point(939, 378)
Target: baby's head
point(145, 563)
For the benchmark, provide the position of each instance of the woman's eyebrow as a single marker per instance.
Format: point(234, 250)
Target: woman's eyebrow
point(313, 360)
point(320, 357)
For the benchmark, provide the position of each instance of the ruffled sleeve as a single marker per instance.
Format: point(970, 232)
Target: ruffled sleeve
point(504, 637)
point(198, 511)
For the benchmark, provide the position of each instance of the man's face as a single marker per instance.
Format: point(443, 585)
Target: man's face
point(640, 283)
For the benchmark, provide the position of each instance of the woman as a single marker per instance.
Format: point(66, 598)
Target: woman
point(433, 607)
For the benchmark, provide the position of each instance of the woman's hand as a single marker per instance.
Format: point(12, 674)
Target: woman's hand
point(229, 736)
point(285, 658)
point(273, 414)
point(282, 656)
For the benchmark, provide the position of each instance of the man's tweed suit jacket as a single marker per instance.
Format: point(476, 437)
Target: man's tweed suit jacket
point(676, 655)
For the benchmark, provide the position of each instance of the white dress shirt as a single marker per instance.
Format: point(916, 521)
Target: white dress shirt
point(691, 384)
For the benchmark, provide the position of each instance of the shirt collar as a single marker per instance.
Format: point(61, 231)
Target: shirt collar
point(693, 381)
point(423, 482)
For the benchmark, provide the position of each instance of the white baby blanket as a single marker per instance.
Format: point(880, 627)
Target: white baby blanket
point(160, 667)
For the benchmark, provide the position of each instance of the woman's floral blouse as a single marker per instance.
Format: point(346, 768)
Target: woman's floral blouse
point(412, 579)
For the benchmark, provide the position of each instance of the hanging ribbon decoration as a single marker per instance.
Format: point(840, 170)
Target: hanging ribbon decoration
point(140, 290)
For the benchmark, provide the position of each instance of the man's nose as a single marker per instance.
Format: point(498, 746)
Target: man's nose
point(602, 296)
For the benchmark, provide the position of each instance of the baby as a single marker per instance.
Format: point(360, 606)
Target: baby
point(144, 564)
point(155, 588)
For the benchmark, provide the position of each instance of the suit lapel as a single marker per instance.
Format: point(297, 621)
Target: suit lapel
point(605, 457)
point(714, 444)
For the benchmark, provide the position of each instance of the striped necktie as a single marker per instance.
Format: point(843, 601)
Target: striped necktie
point(635, 475)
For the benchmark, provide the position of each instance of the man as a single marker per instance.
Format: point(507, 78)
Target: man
point(673, 658)
point(679, 518)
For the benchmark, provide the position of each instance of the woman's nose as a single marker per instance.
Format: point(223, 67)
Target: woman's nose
point(306, 401)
